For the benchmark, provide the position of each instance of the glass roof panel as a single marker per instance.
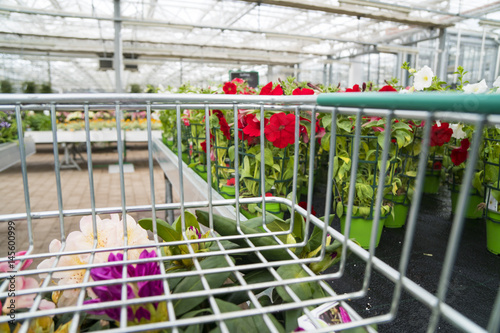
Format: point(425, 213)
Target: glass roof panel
point(209, 37)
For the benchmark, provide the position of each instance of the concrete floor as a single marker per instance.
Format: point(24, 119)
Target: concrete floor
point(75, 191)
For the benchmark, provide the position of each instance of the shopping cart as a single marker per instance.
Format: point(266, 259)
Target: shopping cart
point(215, 276)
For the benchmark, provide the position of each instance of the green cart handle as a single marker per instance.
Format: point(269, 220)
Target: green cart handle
point(425, 101)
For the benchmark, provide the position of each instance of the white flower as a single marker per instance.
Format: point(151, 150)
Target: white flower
point(109, 234)
point(497, 82)
point(407, 91)
point(423, 78)
point(476, 88)
point(458, 133)
point(438, 122)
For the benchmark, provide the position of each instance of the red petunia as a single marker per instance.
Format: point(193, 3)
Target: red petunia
point(238, 80)
point(253, 125)
point(303, 204)
point(437, 165)
point(355, 88)
point(320, 131)
point(387, 88)
point(230, 182)
point(440, 134)
point(268, 89)
point(224, 126)
point(459, 155)
point(280, 130)
point(229, 88)
point(303, 91)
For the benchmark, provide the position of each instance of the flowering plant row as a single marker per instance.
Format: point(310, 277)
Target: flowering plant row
point(446, 156)
point(171, 264)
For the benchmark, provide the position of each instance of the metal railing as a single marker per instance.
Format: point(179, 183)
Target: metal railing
point(480, 111)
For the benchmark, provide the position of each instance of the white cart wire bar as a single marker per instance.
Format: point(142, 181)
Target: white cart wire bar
point(181, 281)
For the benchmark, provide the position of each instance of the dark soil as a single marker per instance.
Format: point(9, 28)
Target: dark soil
point(474, 281)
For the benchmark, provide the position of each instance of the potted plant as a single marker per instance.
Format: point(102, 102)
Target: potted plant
point(492, 183)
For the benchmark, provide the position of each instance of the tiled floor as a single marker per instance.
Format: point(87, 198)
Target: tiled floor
point(75, 191)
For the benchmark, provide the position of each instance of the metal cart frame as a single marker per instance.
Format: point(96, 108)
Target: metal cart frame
point(479, 110)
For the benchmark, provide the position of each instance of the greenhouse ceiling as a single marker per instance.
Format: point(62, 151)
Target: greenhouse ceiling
point(70, 43)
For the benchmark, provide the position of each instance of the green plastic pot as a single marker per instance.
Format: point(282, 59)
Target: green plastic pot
point(361, 229)
point(227, 191)
point(471, 211)
point(275, 209)
point(431, 183)
point(493, 231)
point(400, 212)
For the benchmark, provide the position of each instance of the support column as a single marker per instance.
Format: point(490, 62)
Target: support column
point(457, 55)
point(118, 59)
point(442, 64)
point(481, 57)
point(355, 72)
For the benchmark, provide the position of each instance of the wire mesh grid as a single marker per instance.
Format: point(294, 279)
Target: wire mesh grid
point(215, 273)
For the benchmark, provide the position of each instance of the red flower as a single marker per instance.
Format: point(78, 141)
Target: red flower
point(303, 91)
point(268, 89)
point(459, 155)
point(437, 165)
point(230, 182)
point(280, 130)
point(320, 131)
point(387, 88)
point(203, 144)
point(224, 127)
point(238, 80)
point(253, 126)
point(303, 204)
point(440, 135)
point(229, 88)
point(354, 88)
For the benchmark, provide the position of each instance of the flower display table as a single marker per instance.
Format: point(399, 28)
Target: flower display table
point(10, 152)
point(69, 140)
point(195, 187)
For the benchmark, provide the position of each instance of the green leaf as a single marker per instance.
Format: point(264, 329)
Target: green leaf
point(165, 230)
point(291, 319)
point(268, 157)
point(325, 142)
point(411, 173)
point(298, 226)
point(340, 209)
point(241, 324)
point(190, 221)
point(261, 325)
point(303, 290)
point(257, 276)
point(364, 191)
point(344, 124)
point(315, 240)
point(256, 222)
point(195, 328)
point(326, 120)
point(230, 153)
point(193, 283)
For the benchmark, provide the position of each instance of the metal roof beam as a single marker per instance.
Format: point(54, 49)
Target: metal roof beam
point(43, 39)
point(131, 21)
point(354, 11)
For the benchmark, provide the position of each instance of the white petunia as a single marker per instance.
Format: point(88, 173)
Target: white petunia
point(497, 82)
point(423, 78)
point(476, 88)
point(458, 133)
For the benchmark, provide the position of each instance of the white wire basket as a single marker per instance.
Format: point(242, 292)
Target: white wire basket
point(241, 275)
